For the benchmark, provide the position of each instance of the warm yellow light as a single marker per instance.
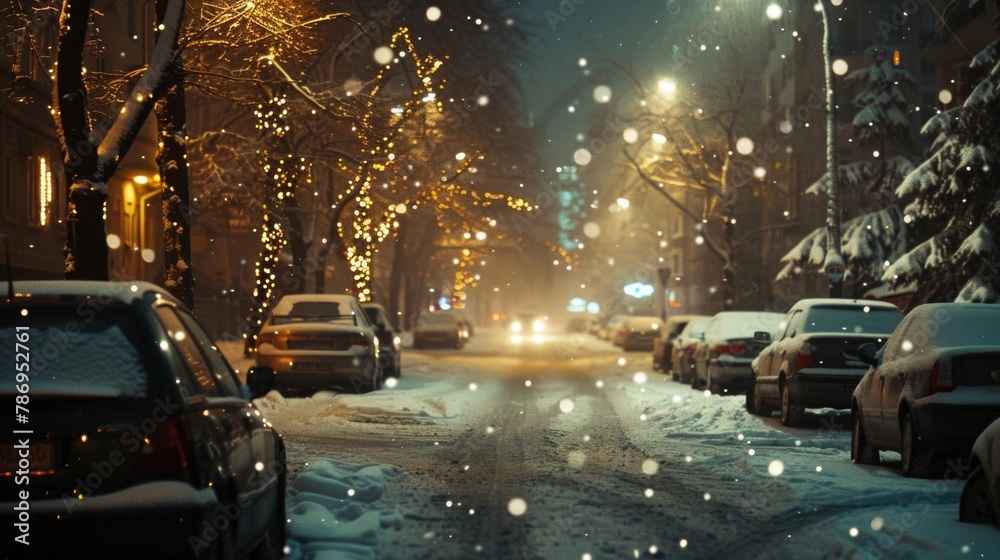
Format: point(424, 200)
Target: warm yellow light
point(44, 191)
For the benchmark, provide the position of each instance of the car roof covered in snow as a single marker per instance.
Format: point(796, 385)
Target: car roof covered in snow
point(840, 302)
point(123, 291)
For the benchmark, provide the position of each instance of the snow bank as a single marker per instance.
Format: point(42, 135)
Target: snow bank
point(333, 511)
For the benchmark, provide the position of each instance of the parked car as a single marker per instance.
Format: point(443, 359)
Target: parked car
point(663, 346)
point(610, 327)
point(389, 348)
point(142, 436)
point(722, 358)
point(439, 329)
point(932, 389)
point(320, 341)
point(682, 352)
point(638, 332)
point(981, 494)
point(579, 325)
point(813, 361)
point(462, 318)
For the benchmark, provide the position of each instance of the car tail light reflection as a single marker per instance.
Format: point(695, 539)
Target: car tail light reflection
point(168, 449)
point(941, 381)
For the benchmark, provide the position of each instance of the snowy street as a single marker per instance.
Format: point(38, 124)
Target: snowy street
point(574, 449)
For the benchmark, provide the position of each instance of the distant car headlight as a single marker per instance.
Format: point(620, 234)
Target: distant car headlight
point(516, 339)
point(516, 326)
point(537, 338)
point(538, 326)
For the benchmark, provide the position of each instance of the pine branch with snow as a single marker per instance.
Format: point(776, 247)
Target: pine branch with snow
point(957, 188)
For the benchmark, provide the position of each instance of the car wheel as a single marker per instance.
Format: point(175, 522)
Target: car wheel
point(976, 505)
point(916, 460)
point(755, 405)
point(367, 381)
point(861, 452)
point(711, 383)
point(791, 413)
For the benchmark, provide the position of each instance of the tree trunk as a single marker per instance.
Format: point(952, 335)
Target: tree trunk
point(171, 158)
point(89, 166)
point(396, 274)
point(728, 267)
point(86, 247)
point(86, 242)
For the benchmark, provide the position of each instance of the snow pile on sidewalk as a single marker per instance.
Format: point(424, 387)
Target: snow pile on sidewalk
point(333, 511)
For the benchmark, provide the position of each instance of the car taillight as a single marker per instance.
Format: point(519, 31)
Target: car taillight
point(941, 381)
point(169, 449)
point(360, 341)
point(735, 348)
point(805, 358)
point(270, 337)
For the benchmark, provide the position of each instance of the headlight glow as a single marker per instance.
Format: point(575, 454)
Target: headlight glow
point(516, 326)
point(538, 325)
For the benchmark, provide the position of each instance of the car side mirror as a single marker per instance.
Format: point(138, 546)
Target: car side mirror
point(868, 352)
point(761, 339)
point(260, 381)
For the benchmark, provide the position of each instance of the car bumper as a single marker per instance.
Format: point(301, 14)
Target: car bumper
point(435, 339)
point(638, 342)
point(152, 520)
point(307, 370)
point(825, 387)
point(732, 371)
point(950, 427)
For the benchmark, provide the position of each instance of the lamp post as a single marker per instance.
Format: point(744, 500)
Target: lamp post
point(833, 265)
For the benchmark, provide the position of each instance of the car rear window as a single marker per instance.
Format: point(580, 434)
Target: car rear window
point(644, 323)
point(438, 319)
point(314, 311)
point(75, 351)
point(853, 320)
point(979, 326)
point(743, 325)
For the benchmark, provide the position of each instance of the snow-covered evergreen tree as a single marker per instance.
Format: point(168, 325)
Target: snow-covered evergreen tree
point(878, 235)
point(958, 188)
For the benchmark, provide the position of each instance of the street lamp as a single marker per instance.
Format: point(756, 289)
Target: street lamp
point(833, 265)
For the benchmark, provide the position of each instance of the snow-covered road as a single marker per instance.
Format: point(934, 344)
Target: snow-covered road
point(576, 450)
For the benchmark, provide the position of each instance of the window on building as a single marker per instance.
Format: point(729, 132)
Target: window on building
point(677, 262)
point(40, 185)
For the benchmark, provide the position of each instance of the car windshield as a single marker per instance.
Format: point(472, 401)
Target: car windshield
point(855, 320)
point(316, 312)
point(94, 354)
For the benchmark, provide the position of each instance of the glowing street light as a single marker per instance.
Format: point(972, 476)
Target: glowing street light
point(668, 86)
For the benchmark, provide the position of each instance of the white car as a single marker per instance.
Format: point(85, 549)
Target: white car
point(320, 341)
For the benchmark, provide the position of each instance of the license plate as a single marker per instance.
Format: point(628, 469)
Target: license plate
point(42, 457)
point(313, 366)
